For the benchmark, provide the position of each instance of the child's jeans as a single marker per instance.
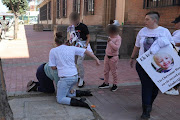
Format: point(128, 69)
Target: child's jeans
point(65, 85)
point(110, 65)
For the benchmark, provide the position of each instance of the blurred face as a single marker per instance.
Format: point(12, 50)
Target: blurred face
point(74, 22)
point(177, 25)
point(149, 22)
point(164, 61)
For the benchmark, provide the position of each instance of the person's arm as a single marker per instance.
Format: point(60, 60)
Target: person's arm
point(92, 56)
point(133, 56)
point(88, 39)
point(178, 44)
point(52, 60)
point(115, 45)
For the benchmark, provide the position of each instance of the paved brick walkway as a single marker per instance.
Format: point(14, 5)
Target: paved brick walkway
point(22, 57)
point(125, 104)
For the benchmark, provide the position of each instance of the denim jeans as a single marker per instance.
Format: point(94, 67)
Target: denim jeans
point(149, 89)
point(65, 85)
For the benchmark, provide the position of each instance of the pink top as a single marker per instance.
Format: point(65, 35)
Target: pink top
point(113, 46)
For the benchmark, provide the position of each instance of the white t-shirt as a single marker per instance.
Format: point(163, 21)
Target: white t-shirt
point(146, 37)
point(63, 57)
point(176, 36)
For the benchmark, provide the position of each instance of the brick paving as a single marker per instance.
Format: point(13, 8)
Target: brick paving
point(125, 104)
point(25, 55)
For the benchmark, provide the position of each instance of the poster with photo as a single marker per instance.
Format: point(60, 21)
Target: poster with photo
point(163, 67)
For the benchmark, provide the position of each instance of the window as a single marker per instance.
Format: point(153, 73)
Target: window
point(43, 12)
point(64, 8)
point(160, 3)
point(49, 10)
point(76, 6)
point(89, 7)
point(58, 8)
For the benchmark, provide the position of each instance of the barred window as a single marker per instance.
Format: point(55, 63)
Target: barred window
point(49, 10)
point(89, 7)
point(160, 3)
point(58, 8)
point(64, 8)
point(43, 12)
point(76, 6)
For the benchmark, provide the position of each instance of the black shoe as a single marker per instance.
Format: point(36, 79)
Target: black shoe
point(150, 107)
point(80, 103)
point(114, 88)
point(104, 85)
point(146, 112)
point(33, 87)
point(80, 93)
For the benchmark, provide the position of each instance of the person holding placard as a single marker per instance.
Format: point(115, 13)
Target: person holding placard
point(176, 38)
point(152, 37)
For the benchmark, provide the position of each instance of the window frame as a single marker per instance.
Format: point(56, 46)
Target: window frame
point(89, 6)
point(49, 10)
point(58, 9)
point(43, 13)
point(159, 3)
point(77, 6)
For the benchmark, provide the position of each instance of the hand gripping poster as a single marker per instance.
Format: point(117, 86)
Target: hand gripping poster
point(163, 67)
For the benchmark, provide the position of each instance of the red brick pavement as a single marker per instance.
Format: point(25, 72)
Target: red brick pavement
point(19, 70)
point(125, 104)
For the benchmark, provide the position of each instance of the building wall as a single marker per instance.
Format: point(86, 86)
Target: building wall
point(135, 13)
point(120, 11)
point(95, 19)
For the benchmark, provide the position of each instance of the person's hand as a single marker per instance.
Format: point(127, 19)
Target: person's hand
point(109, 39)
point(97, 62)
point(131, 62)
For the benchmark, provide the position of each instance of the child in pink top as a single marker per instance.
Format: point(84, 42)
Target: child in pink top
point(111, 58)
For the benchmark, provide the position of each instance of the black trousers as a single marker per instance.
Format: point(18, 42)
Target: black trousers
point(45, 84)
point(149, 89)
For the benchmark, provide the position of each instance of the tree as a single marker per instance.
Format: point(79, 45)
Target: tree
point(17, 7)
point(5, 110)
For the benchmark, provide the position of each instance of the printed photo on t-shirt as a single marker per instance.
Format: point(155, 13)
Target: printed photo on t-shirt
point(162, 62)
point(148, 42)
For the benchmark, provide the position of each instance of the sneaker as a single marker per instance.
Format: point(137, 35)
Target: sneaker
point(114, 88)
point(33, 87)
point(172, 92)
point(81, 83)
point(104, 85)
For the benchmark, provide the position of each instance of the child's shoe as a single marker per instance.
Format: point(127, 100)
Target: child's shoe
point(114, 88)
point(104, 85)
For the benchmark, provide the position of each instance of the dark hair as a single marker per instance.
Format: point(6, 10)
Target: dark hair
point(74, 16)
point(154, 15)
point(112, 29)
point(111, 22)
point(59, 38)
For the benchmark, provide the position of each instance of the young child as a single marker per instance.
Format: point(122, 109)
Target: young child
point(111, 58)
point(164, 61)
point(80, 34)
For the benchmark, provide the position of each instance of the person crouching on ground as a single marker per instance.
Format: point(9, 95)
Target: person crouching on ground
point(62, 58)
point(111, 58)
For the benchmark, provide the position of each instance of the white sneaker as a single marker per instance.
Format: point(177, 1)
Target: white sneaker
point(81, 83)
point(172, 92)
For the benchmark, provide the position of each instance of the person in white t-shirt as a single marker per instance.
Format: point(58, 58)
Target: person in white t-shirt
point(62, 58)
point(152, 37)
point(176, 38)
point(176, 34)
